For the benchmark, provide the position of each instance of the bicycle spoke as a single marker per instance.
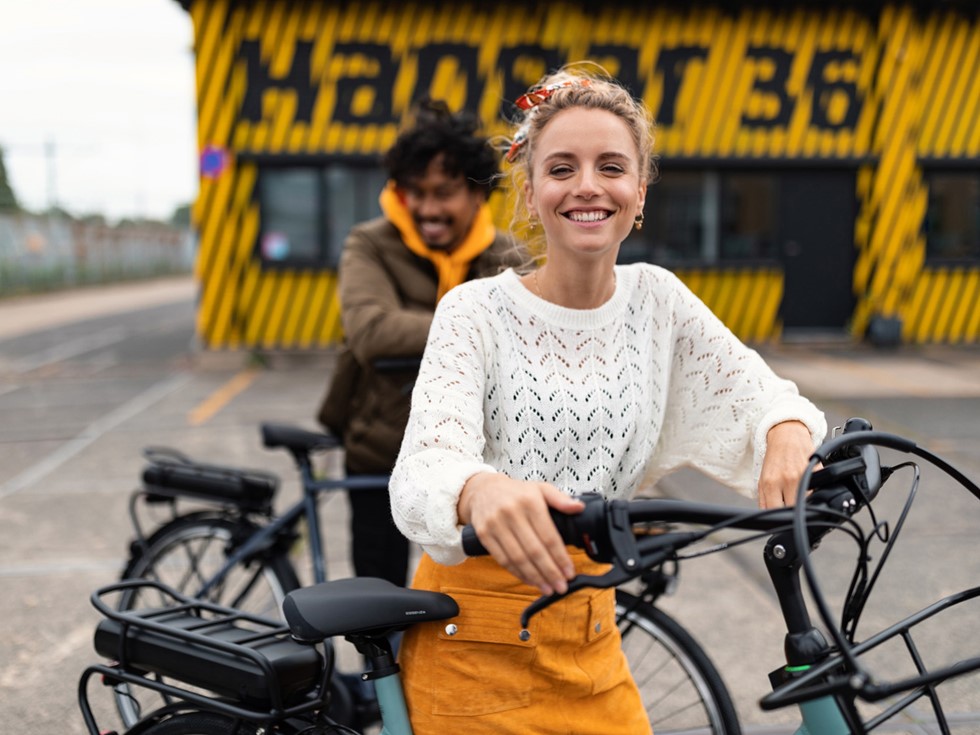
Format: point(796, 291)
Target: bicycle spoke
point(681, 690)
point(251, 582)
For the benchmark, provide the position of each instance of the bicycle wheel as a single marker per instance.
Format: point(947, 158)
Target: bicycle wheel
point(681, 689)
point(196, 723)
point(183, 554)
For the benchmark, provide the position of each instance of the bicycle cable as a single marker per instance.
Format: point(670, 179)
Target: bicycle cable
point(856, 599)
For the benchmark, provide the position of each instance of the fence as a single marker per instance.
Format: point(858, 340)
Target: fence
point(46, 253)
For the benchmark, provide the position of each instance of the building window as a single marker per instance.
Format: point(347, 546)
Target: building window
point(707, 217)
point(306, 212)
point(748, 217)
point(952, 224)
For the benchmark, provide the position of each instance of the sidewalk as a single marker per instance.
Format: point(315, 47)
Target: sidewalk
point(23, 314)
point(820, 370)
point(862, 371)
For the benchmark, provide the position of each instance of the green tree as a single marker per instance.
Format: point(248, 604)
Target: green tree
point(8, 200)
point(181, 216)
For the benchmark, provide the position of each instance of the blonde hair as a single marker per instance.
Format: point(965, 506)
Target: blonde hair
point(578, 85)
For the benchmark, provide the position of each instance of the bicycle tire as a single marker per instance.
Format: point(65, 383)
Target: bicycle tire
point(195, 723)
point(680, 686)
point(185, 552)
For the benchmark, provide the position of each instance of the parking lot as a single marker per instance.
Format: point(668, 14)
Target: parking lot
point(89, 379)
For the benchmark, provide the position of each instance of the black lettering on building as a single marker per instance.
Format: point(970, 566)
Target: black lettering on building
point(380, 86)
point(826, 91)
point(626, 67)
point(774, 86)
point(549, 59)
point(260, 81)
point(429, 58)
point(672, 63)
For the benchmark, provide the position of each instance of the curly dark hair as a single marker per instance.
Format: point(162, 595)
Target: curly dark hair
point(436, 131)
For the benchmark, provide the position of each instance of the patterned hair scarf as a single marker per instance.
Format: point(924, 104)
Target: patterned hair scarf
point(531, 100)
point(453, 266)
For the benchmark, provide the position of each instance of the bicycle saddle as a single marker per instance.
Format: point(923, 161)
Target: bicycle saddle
point(293, 437)
point(361, 605)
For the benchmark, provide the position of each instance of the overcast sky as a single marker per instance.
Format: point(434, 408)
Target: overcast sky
point(97, 105)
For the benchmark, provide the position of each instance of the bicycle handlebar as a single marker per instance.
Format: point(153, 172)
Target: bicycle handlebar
point(598, 527)
point(850, 479)
point(604, 528)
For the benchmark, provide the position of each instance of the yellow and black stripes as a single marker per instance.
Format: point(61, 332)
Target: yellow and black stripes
point(749, 298)
point(882, 93)
point(927, 89)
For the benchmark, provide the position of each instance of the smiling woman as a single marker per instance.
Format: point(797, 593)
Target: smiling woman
point(582, 376)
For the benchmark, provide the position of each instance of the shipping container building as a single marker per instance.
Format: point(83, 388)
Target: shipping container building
point(819, 162)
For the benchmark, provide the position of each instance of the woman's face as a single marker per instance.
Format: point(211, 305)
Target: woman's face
point(584, 183)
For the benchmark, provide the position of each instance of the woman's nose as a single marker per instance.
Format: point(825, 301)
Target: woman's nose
point(587, 184)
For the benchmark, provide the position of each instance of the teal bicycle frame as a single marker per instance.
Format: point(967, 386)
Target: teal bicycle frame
point(822, 717)
point(391, 700)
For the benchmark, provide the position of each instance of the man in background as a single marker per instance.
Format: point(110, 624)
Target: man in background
point(436, 232)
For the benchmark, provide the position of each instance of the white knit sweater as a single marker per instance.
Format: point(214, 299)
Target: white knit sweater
point(588, 400)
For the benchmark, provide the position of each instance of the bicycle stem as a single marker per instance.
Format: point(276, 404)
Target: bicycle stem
point(804, 644)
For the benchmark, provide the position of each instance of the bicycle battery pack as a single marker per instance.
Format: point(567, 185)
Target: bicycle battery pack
point(249, 489)
point(258, 669)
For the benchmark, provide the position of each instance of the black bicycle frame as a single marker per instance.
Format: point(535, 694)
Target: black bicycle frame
point(306, 507)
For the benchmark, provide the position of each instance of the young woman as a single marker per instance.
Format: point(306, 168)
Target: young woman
point(579, 376)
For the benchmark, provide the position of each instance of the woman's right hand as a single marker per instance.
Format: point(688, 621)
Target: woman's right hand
point(511, 519)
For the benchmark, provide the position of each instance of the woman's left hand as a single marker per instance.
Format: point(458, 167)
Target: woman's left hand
point(788, 450)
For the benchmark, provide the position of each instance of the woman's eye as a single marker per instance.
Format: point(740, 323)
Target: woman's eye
point(613, 169)
point(560, 170)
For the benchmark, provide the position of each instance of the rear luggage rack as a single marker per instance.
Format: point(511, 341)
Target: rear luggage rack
point(251, 664)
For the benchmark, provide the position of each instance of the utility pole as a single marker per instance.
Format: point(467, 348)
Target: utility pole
point(50, 150)
point(51, 154)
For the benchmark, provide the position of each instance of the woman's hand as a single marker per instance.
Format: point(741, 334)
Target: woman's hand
point(511, 519)
point(788, 450)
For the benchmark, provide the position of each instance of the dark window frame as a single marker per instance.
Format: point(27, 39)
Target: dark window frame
point(934, 256)
point(327, 256)
point(721, 169)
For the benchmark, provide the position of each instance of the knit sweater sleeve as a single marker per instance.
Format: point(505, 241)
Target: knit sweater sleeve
point(722, 400)
point(443, 443)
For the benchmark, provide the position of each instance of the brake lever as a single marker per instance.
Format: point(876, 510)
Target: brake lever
point(618, 546)
point(613, 578)
point(620, 530)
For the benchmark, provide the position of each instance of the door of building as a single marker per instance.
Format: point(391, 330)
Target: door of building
point(815, 236)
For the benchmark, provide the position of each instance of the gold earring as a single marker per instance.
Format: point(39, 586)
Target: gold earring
point(638, 222)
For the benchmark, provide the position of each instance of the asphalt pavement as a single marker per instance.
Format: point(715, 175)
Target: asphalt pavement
point(90, 377)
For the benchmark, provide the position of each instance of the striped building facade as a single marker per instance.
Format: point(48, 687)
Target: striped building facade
point(820, 164)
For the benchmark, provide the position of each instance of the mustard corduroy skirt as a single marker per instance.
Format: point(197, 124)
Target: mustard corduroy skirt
point(481, 674)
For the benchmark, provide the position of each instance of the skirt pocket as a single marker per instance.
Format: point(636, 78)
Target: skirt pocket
point(600, 657)
point(481, 660)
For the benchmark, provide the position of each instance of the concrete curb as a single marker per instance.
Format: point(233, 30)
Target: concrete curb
point(24, 314)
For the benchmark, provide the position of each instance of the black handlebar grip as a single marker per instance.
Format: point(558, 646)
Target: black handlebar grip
point(471, 544)
point(573, 529)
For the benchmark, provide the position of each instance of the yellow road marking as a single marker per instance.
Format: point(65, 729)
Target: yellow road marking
point(206, 409)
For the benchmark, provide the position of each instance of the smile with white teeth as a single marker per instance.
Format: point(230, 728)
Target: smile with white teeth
point(594, 216)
